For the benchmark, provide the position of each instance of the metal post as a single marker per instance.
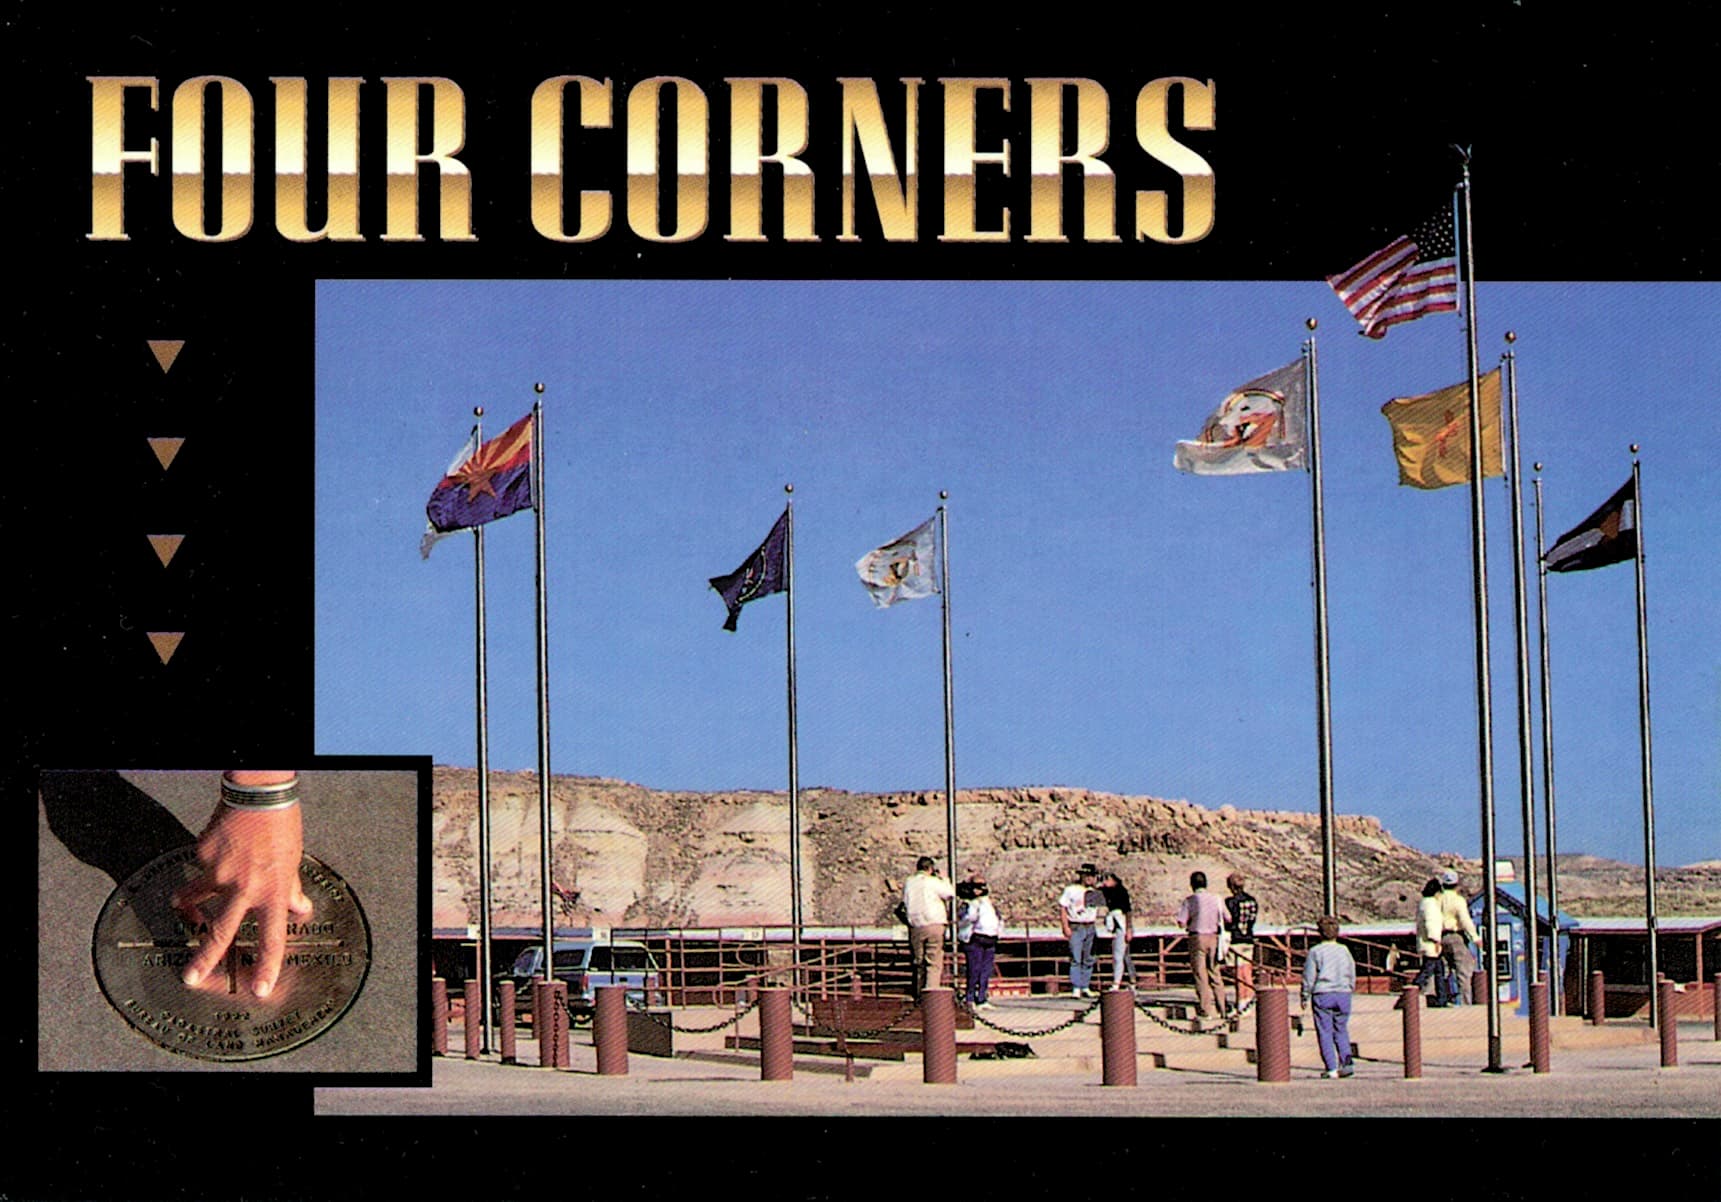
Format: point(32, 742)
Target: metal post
point(1323, 684)
point(1669, 1025)
point(776, 1036)
point(1539, 1043)
point(1521, 621)
point(1598, 999)
point(938, 1036)
point(1555, 974)
point(1643, 737)
point(438, 1016)
point(544, 832)
point(1117, 1036)
point(505, 1007)
point(1484, 705)
point(481, 663)
point(472, 994)
point(949, 727)
point(1715, 1004)
point(795, 915)
point(609, 1030)
point(1411, 1000)
point(1272, 1036)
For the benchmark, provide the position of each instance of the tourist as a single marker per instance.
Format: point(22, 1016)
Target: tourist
point(923, 898)
point(977, 929)
point(1329, 979)
point(1078, 910)
point(1240, 912)
point(1120, 925)
point(1457, 936)
point(1429, 924)
point(1201, 916)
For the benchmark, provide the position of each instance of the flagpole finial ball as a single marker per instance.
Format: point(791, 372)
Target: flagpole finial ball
point(945, 496)
point(1511, 335)
point(538, 388)
point(1538, 467)
point(788, 488)
point(1634, 448)
point(1311, 323)
point(477, 411)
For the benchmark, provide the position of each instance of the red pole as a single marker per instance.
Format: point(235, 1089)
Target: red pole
point(1669, 1028)
point(542, 1027)
point(1411, 999)
point(1539, 1045)
point(1598, 999)
point(505, 1005)
point(776, 1036)
point(938, 1035)
point(557, 1016)
point(473, 994)
point(609, 1030)
point(1715, 1004)
point(1117, 1036)
point(438, 1016)
point(1272, 1036)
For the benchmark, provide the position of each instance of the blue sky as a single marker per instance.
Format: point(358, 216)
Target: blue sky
point(1116, 624)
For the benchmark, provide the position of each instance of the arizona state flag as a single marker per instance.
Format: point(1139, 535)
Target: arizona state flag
point(1431, 434)
point(493, 483)
point(1609, 535)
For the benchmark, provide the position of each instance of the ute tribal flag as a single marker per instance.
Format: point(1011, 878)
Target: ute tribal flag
point(901, 570)
point(492, 482)
point(1257, 428)
point(764, 573)
point(1410, 276)
point(1431, 434)
point(1609, 535)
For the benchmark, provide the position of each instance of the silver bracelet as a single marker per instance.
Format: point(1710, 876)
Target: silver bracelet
point(278, 796)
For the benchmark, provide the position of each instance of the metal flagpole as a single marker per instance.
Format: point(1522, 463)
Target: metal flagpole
point(1323, 691)
point(949, 712)
point(1526, 766)
point(1479, 571)
point(1656, 1018)
point(795, 916)
point(543, 685)
point(484, 966)
point(1555, 997)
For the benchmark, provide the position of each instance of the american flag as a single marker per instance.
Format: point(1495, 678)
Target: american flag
point(1410, 276)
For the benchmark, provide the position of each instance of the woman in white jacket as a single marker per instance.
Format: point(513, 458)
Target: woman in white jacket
point(1428, 927)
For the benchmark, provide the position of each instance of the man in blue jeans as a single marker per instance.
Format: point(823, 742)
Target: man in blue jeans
point(1078, 910)
point(1329, 978)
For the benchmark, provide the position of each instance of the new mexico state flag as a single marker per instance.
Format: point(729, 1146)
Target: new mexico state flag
point(1431, 434)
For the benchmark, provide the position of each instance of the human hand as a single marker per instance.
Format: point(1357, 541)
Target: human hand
point(251, 865)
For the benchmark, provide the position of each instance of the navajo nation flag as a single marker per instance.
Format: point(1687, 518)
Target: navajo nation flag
point(1431, 434)
point(1410, 276)
point(1609, 535)
point(493, 483)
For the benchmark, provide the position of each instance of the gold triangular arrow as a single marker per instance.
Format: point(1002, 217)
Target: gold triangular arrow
point(166, 351)
point(165, 545)
point(166, 642)
point(165, 449)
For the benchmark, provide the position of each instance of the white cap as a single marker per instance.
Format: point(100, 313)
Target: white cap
point(1449, 877)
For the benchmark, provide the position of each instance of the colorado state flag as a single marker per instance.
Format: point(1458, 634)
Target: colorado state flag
point(493, 483)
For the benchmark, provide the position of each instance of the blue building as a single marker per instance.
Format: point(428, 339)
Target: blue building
point(1512, 941)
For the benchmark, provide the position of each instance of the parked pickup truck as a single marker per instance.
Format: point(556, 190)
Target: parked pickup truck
point(585, 964)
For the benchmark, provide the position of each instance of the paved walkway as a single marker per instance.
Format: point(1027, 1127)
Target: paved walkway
point(705, 1080)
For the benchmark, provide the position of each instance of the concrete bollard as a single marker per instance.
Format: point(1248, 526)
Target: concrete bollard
point(1411, 999)
point(1117, 1036)
point(1539, 1043)
point(558, 1023)
point(609, 1030)
point(505, 1021)
point(776, 1036)
point(542, 1027)
point(1715, 1004)
point(1478, 988)
point(938, 1035)
point(1272, 1036)
point(438, 1017)
point(1598, 999)
point(473, 992)
point(1669, 1025)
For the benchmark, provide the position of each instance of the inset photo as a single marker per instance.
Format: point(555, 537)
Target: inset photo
point(221, 920)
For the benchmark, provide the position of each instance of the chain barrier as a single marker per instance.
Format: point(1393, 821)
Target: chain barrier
point(728, 1022)
point(1073, 1020)
point(1224, 1023)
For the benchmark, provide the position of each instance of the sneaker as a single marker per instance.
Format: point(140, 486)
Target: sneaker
point(1331, 1074)
point(1347, 1071)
